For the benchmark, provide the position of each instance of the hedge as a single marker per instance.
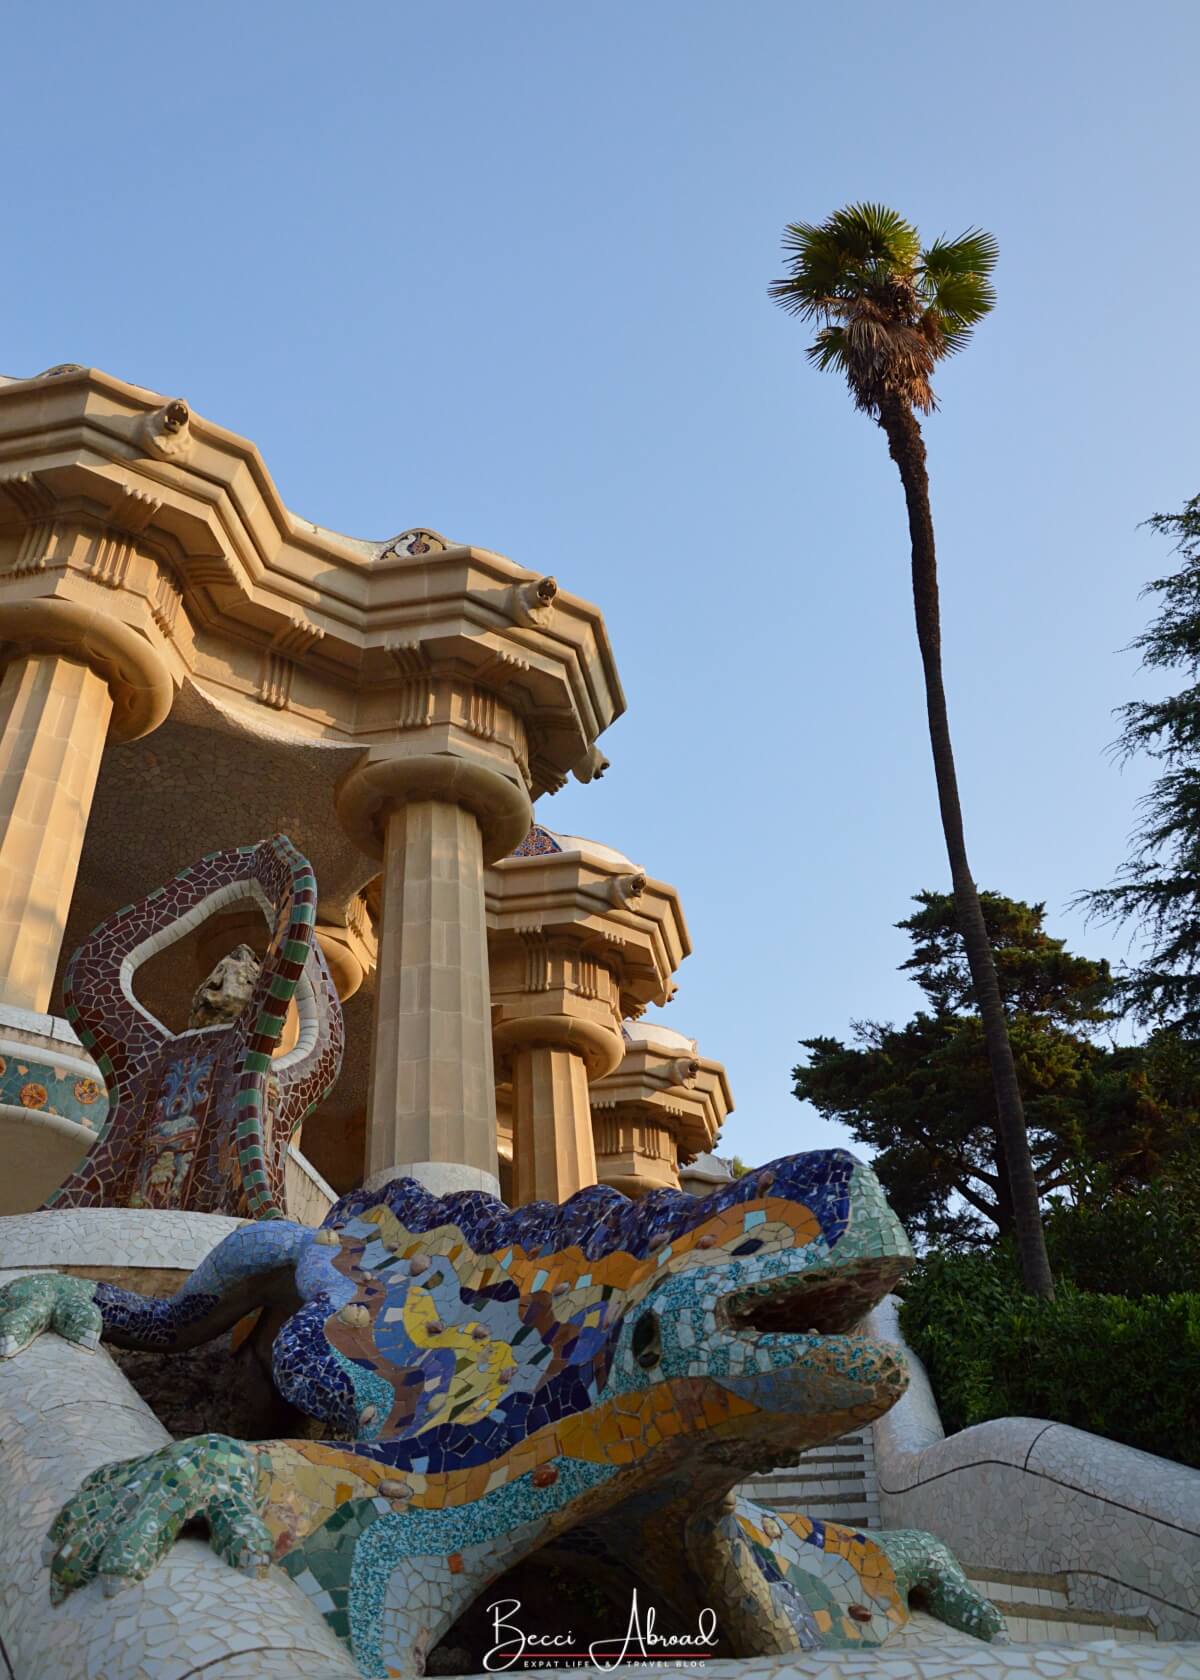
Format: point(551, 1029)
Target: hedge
point(1144, 1242)
point(1125, 1368)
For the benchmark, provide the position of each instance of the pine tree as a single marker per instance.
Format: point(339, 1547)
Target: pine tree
point(1157, 891)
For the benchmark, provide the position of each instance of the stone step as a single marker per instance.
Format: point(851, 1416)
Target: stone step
point(1046, 1597)
point(859, 1515)
point(1016, 1577)
point(1038, 1610)
point(1114, 1620)
point(846, 1455)
point(834, 1482)
point(825, 1493)
point(805, 1477)
point(856, 1466)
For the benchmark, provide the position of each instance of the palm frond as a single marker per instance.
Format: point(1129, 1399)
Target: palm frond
point(872, 233)
point(794, 295)
point(817, 268)
point(962, 299)
point(856, 247)
point(973, 252)
point(800, 237)
point(945, 334)
point(828, 349)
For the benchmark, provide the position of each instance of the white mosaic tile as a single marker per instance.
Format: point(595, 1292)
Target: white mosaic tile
point(1026, 1495)
point(152, 1237)
point(63, 1412)
point(968, 1660)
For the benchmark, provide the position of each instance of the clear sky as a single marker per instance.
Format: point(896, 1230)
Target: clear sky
point(501, 269)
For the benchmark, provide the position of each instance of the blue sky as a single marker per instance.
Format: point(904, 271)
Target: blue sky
point(501, 270)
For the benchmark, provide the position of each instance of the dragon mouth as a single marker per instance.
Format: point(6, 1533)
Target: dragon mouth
point(828, 1301)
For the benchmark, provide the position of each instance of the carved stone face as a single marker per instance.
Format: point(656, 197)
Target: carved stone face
point(226, 992)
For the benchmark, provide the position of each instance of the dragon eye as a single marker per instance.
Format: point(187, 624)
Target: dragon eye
point(647, 1341)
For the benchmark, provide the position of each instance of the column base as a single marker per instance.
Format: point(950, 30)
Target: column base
point(440, 1178)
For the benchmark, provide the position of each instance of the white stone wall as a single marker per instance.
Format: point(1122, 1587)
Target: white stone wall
point(64, 1412)
point(1022, 1494)
point(306, 1195)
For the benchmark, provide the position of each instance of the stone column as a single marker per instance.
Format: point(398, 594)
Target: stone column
point(54, 717)
point(432, 1091)
point(72, 678)
point(431, 1107)
point(579, 938)
point(549, 1060)
point(553, 1152)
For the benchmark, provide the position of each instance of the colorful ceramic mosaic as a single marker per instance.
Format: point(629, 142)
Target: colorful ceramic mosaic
point(34, 1304)
point(202, 1120)
point(63, 1086)
point(491, 1379)
point(539, 842)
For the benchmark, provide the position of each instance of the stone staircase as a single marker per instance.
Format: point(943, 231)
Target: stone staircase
point(837, 1483)
point(1038, 1612)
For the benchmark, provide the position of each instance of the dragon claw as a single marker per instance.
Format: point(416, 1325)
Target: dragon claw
point(48, 1301)
point(126, 1516)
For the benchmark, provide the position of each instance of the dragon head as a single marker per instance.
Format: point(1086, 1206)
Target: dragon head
point(758, 1303)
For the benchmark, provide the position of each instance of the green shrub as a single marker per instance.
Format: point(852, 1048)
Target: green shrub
point(1128, 1369)
point(1143, 1242)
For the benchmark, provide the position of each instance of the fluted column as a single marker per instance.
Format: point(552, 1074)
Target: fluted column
point(553, 1152)
point(54, 717)
point(437, 818)
point(432, 1091)
point(73, 677)
point(551, 1059)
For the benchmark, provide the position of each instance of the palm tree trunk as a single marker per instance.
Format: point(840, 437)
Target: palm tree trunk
point(907, 449)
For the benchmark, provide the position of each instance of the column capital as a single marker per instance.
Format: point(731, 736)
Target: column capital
point(597, 1044)
point(495, 795)
point(346, 968)
point(663, 1105)
point(137, 676)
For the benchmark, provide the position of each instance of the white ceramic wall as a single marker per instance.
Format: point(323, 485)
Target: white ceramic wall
point(1024, 1494)
point(64, 1412)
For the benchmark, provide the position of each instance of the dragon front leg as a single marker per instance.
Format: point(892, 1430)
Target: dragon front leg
point(127, 1515)
point(389, 1560)
point(66, 1305)
point(927, 1568)
point(374, 1550)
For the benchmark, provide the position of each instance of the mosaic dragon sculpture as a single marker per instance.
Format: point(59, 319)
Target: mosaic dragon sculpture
point(489, 1380)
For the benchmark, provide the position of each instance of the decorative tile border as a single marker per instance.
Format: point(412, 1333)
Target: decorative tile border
point(45, 1083)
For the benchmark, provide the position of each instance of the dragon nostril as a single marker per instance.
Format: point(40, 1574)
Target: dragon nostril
point(647, 1341)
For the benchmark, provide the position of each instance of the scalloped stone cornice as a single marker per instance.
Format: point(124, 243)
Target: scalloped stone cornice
point(107, 486)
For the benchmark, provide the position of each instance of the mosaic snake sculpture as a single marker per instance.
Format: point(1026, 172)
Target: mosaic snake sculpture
point(202, 1119)
point(489, 1380)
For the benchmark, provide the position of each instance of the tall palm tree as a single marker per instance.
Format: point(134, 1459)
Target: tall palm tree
point(889, 312)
